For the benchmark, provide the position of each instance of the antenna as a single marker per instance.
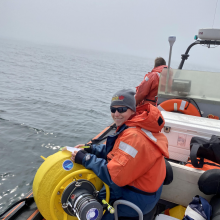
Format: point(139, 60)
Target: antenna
point(171, 40)
point(215, 13)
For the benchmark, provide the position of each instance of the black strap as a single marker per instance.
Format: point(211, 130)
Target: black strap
point(193, 156)
point(150, 100)
point(216, 150)
point(139, 191)
point(102, 136)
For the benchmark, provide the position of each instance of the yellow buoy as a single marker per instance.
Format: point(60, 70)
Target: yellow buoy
point(55, 173)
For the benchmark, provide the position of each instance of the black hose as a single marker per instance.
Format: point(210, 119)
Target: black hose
point(197, 107)
point(189, 101)
point(27, 201)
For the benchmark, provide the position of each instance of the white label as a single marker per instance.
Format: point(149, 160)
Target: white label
point(181, 141)
point(182, 106)
point(175, 107)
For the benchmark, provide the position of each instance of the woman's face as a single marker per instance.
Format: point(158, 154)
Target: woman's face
point(120, 118)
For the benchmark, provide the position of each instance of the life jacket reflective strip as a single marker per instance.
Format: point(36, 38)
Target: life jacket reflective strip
point(208, 165)
point(178, 105)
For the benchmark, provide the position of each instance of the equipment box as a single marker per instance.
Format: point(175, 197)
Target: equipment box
point(180, 128)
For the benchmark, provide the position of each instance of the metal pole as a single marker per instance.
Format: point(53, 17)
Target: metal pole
point(171, 40)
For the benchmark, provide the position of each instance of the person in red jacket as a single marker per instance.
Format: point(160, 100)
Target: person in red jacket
point(132, 161)
point(147, 91)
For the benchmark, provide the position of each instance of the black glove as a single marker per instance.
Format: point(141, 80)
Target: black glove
point(79, 156)
point(88, 150)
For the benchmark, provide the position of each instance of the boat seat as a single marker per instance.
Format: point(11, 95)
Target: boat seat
point(184, 185)
point(169, 173)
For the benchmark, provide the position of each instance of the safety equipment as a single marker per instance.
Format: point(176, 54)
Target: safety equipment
point(178, 105)
point(148, 89)
point(66, 190)
point(129, 162)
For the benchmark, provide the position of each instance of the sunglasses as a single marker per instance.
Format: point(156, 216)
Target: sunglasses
point(119, 109)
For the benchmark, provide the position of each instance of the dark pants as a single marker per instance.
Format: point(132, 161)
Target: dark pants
point(145, 202)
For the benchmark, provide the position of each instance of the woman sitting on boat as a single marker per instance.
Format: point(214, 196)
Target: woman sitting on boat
point(132, 161)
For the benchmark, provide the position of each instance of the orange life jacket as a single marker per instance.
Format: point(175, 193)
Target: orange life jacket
point(137, 158)
point(148, 89)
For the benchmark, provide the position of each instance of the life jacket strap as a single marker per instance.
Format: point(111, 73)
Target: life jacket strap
point(150, 100)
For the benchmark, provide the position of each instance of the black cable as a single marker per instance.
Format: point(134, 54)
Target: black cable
point(197, 107)
point(189, 101)
point(27, 201)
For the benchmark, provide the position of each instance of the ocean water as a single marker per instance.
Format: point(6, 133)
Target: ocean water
point(53, 96)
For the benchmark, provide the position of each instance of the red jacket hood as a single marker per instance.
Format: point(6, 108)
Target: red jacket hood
point(158, 69)
point(148, 117)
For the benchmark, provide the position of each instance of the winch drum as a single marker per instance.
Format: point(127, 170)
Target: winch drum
point(79, 199)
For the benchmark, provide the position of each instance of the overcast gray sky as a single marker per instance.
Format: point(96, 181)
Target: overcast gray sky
point(137, 27)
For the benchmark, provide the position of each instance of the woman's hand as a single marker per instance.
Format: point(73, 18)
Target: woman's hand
point(77, 156)
point(73, 155)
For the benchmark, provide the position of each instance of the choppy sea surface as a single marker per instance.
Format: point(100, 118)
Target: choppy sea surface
point(53, 96)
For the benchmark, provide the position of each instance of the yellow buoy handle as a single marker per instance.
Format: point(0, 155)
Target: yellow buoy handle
point(52, 199)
